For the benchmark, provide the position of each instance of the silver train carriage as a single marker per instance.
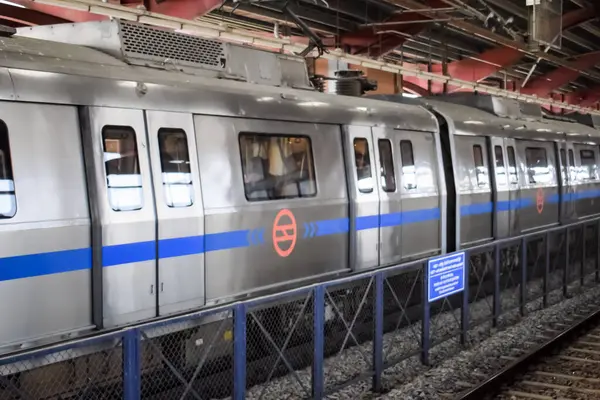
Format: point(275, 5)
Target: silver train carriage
point(509, 169)
point(139, 180)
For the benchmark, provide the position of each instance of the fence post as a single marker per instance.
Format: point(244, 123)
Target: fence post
point(546, 270)
point(582, 277)
point(567, 259)
point(318, 378)
point(239, 351)
point(465, 302)
point(425, 317)
point(131, 365)
point(378, 334)
point(523, 276)
point(496, 285)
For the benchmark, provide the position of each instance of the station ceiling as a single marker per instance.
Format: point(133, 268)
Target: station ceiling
point(475, 40)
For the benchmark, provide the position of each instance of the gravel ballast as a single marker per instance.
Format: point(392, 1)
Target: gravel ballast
point(474, 364)
point(454, 368)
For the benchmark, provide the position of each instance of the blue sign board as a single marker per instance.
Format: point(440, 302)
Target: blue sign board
point(446, 276)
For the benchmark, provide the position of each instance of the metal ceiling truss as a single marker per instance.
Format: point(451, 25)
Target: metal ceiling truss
point(228, 33)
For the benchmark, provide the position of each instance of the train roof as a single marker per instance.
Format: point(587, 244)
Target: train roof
point(37, 70)
point(476, 114)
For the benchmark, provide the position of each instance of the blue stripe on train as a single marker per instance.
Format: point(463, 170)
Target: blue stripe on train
point(80, 259)
point(55, 262)
point(506, 205)
point(486, 208)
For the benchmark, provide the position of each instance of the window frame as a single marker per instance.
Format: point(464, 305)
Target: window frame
point(590, 167)
point(7, 170)
point(562, 154)
point(131, 130)
point(383, 168)
point(511, 155)
point(368, 154)
point(310, 152)
point(405, 163)
point(480, 184)
point(163, 132)
point(529, 167)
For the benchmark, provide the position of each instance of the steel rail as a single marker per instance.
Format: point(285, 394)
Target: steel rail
point(492, 386)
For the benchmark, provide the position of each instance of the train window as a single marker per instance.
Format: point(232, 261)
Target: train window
point(500, 170)
point(8, 200)
point(362, 161)
point(386, 164)
point(563, 165)
point(480, 170)
point(409, 172)
point(175, 167)
point(537, 165)
point(571, 165)
point(277, 167)
point(123, 176)
point(512, 165)
point(588, 164)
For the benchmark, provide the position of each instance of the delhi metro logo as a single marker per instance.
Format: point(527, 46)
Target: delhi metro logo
point(285, 232)
point(539, 200)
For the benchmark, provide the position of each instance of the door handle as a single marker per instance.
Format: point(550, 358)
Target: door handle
point(151, 289)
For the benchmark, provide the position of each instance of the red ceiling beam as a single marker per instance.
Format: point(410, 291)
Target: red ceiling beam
point(26, 17)
point(186, 9)
point(545, 84)
point(584, 97)
point(414, 88)
point(380, 40)
point(481, 66)
point(578, 17)
point(60, 12)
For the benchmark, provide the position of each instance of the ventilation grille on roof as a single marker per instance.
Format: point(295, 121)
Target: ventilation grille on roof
point(141, 45)
point(144, 41)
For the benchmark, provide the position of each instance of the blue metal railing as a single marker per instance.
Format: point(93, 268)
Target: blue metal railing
point(300, 337)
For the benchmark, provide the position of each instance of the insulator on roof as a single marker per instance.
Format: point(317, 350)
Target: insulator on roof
point(350, 83)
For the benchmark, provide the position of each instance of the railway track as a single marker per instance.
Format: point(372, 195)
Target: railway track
point(565, 366)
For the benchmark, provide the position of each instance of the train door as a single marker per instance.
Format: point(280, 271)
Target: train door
point(501, 195)
point(179, 211)
point(364, 197)
point(539, 188)
point(474, 189)
point(514, 188)
point(390, 204)
point(566, 160)
point(420, 193)
point(123, 214)
point(573, 188)
point(586, 160)
point(506, 186)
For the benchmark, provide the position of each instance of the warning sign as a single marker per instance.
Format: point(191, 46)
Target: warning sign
point(285, 233)
point(445, 276)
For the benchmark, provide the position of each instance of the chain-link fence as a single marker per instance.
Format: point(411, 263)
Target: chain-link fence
point(91, 369)
point(316, 340)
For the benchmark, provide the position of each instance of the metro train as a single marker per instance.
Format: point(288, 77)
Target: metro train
point(145, 172)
